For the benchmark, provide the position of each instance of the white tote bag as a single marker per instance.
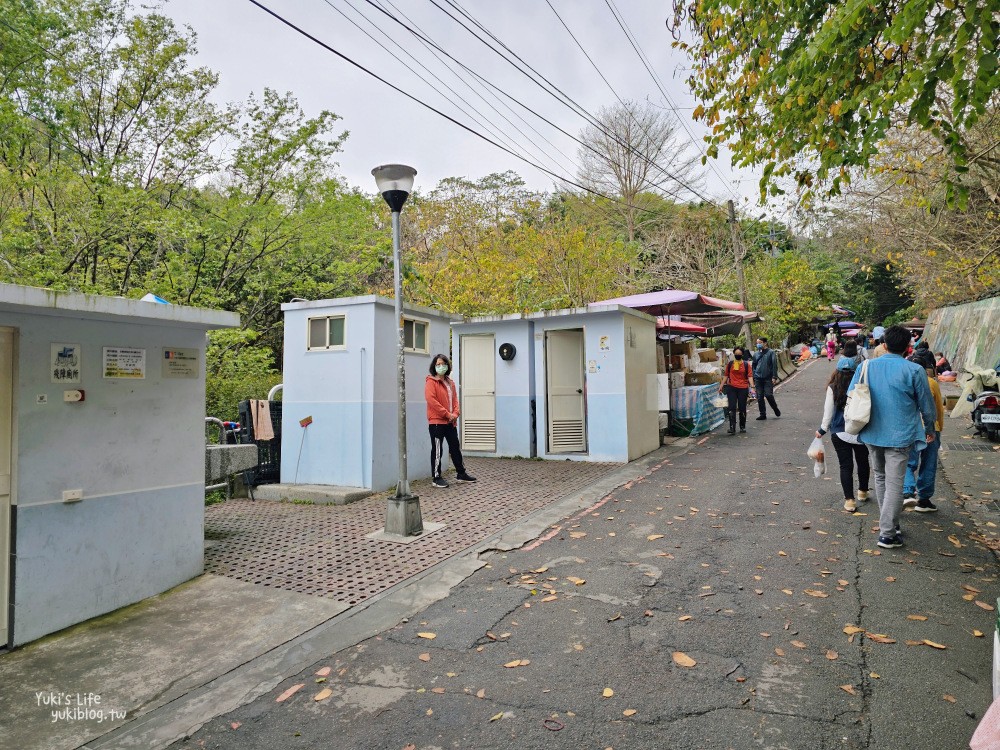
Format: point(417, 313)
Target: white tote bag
point(858, 410)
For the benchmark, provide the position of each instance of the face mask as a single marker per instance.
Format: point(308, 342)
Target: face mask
point(760, 346)
point(441, 369)
point(737, 357)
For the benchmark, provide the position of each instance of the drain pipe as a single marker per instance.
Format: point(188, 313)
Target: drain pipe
point(361, 409)
point(274, 391)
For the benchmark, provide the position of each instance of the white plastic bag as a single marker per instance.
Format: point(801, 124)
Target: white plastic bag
point(817, 452)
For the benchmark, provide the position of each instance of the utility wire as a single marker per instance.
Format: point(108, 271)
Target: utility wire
point(634, 42)
point(546, 85)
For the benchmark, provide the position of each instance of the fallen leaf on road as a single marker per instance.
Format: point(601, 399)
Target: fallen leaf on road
point(481, 693)
point(758, 592)
point(782, 554)
point(323, 694)
point(766, 635)
point(798, 644)
point(832, 655)
point(970, 589)
point(842, 582)
point(235, 724)
point(629, 712)
point(787, 591)
point(517, 663)
point(949, 698)
point(539, 571)
point(914, 643)
point(497, 717)
point(817, 594)
point(575, 580)
point(289, 693)
point(577, 647)
point(550, 598)
point(977, 633)
point(438, 690)
point(874, 675)
point(411, 746)
point(323, 672)
point(648, 613)
point(984, 605)
point(683, 660)
point(616, 617)
point(890, 579)
point(430, 712)
point(968, 597)
point(881, 638)
point(491, 636)
point(932, 644)
point(946, 554)
point(779, 651)
point(954, 540)
point(654, 537)
point(576, 535)
point(684, 618)
point(607, 693)
point(428, 636)
point(920, 618)
point(424, 657)
point(849, 689)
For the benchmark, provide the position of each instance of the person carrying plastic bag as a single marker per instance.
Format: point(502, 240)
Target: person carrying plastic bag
point(850, 452)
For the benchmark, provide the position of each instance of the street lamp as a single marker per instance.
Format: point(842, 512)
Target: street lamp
point(395, 182)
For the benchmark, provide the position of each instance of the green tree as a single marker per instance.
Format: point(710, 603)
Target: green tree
point(811, 89)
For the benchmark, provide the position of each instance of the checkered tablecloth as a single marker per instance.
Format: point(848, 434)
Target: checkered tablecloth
point(693, 403)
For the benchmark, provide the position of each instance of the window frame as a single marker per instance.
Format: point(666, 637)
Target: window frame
point(328, 347)
point(427, 330)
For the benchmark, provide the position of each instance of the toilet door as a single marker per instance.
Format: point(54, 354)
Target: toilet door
point(6, 434)
point(564, 378)
point(479, 408)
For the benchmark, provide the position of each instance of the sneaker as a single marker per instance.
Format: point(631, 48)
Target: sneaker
point(862, 496)
point(743, 429)
point(440, 483)
point(925, 506)
point(909, 501)
point(890, 542)
point(850, 505)
point(762, 416)
point(464, 477)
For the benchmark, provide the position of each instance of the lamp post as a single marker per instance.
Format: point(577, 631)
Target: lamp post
point(395, 182)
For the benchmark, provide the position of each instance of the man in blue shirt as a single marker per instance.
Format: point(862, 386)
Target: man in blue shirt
point(902, 417)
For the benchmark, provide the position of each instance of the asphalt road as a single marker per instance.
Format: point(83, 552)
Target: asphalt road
point(703, 606)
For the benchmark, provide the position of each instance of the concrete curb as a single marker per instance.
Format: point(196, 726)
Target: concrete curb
point(183, 716)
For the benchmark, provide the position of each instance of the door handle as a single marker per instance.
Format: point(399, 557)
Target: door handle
point(579, 390)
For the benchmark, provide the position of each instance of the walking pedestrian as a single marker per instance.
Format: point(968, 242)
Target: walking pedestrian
point(921, 469)
point(765, 377)
point(850, 351)
point(902, 417)
point(850, 451)
point(736, 383)
point(831, 344)
point(442, 416)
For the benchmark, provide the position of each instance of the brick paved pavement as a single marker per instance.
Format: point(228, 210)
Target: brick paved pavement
point(321, 550)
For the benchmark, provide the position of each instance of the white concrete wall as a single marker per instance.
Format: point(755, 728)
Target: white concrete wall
point(515, 384)
point(640, 386)
point(136, 450)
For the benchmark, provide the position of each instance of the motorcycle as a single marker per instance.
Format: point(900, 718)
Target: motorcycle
point(986, 415)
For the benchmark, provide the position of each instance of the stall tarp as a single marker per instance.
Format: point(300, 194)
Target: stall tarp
point(692, 411)
point(672, 302)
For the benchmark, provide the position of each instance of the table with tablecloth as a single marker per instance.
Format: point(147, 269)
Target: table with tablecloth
point(692, 411)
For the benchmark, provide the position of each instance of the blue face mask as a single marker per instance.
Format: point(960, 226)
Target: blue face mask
point(760, 346)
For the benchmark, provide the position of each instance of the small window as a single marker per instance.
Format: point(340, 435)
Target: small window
point(415, 335)
point(326, 333)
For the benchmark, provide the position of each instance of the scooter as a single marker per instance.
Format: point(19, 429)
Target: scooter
point(986, 415)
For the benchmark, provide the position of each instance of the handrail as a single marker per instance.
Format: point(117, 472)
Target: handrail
point(274, 391)
point(222, 428)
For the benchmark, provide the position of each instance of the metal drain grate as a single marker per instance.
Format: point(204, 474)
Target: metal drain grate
point(973, 447)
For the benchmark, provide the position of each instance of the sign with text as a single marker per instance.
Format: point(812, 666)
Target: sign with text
point(180, 363)
point(64, 363)
point(124, 362)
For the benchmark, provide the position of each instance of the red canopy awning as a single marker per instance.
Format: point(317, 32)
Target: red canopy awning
point(679, 327)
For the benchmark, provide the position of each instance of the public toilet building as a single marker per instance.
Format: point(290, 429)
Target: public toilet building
point(339, 422)
point(102, 454)
point(577, 384)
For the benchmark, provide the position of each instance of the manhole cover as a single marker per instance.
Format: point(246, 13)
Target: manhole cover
point(976, 447)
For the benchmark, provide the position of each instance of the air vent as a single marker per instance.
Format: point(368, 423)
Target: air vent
point(479, 435)
point(567, 436)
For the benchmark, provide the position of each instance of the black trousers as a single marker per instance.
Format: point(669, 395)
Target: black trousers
point(847, 455)
point(439, 434)
point(737, 403)
point(765, 389)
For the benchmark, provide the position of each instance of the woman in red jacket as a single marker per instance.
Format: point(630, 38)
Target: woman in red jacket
point(736, 384)
point(442, 415)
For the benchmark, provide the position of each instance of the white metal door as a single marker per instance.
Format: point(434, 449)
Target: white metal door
point(564, 382)
point(479, 408)
point(6, 432)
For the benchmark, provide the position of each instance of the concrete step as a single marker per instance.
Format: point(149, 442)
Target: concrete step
point(320, 494)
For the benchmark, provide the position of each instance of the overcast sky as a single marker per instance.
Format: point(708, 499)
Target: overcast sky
point(251, 50)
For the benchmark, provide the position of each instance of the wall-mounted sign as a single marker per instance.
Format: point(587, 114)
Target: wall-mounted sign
point(64, 363)
point(126, 362)
point(592, 366)
point(605, 343)
point(180, 363)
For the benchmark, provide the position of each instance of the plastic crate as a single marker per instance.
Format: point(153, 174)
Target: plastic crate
point(268, 469)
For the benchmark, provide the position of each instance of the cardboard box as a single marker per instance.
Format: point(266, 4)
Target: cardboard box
point(702, 378)
point(677, 379)
point(676, 362)
point(708, 355)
